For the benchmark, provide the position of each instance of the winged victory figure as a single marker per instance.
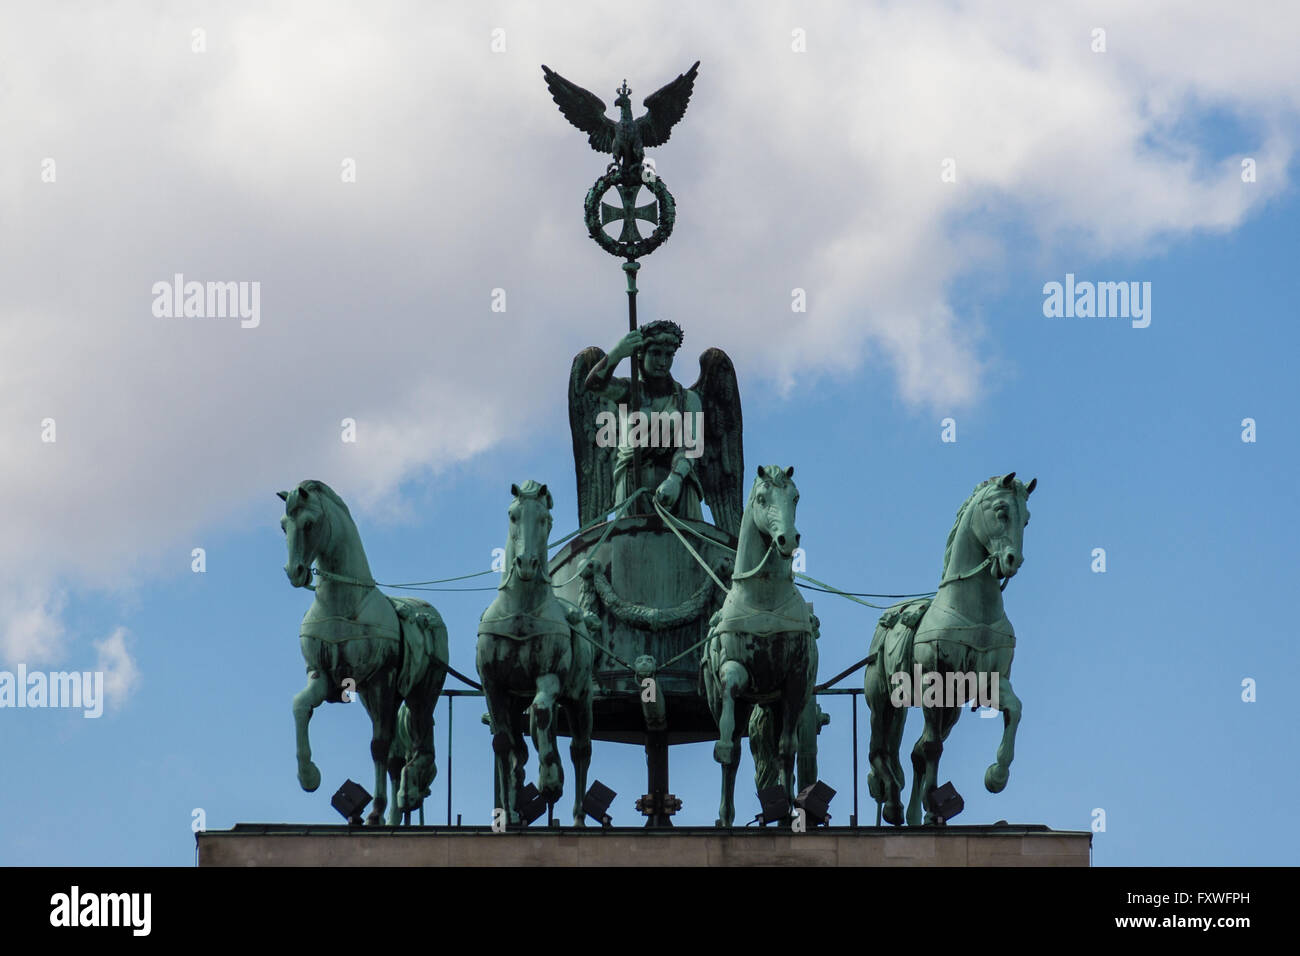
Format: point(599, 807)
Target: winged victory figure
point(707, 466)
point(627, 138)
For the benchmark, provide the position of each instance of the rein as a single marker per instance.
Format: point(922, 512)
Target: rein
point(983, 565)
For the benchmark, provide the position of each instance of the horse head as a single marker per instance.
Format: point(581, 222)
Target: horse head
point(530, 526)
point(998, 515)
point(772, 500)
point(306, 528)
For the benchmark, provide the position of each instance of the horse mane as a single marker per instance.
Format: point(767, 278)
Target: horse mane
point(773, 475)
point(533, 489)
point(980, 490)
point(319, 487)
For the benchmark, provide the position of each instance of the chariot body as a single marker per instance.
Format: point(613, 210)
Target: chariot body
point(646, 565)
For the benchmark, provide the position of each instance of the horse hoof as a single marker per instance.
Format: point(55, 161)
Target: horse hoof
point(375, 818)
point(995, 778)
point(309, 777)
point(893, 814)
point(579, 819)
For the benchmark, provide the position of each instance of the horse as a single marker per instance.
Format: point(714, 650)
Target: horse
point(393, 651)
point(760, 651)
point(534, 654)
point(960, 637)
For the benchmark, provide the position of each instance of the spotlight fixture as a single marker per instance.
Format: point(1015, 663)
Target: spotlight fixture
point(530, 804)
point(945, 802)
point(774, 804)
point(815, 799)
point(350, 800)
point(595, 803)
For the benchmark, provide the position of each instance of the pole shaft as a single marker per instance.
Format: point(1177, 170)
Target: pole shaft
point(630, 267)
point(450, 702)
point(854, 698)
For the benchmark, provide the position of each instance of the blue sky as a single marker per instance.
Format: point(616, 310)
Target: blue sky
point(924, 303)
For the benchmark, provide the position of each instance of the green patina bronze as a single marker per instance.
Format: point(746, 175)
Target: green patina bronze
point(650, 625)
point(680, 479)
point(391, 651)
point(533, 654)
point(761, 651)
point(962, 630)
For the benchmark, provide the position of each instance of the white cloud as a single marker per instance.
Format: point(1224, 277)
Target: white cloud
point(121, 673)
point(817, 170)
point(31, 625)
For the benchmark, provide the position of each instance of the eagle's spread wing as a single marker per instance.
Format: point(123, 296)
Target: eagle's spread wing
point(585, 110)
point(664, 107)
point(722, 465)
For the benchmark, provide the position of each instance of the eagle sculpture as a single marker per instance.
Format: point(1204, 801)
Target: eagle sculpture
point(627, 139)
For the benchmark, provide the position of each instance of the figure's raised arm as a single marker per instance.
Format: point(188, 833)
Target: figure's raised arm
point(601, 377)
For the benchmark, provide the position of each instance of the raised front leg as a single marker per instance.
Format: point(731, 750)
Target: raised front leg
point(995, 778)
point(304, 702)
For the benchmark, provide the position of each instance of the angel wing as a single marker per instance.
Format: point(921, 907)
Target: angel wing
point(594, 465)
point(664, 107)
point(585, 110)
point(722, 465)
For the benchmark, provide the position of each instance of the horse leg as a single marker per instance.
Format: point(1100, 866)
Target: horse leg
point(995, 778)
point(397, 758)
point(380, 699)
point(541, 724)
point(925, 766)
point(579, 712)
point(727, 809)
point(885, 782)
point(732, 679)
point(304, 702)
point(421, 765)
point(503, 745)
point(807, 754)
point(793, 702)
point(518, 765)
point(762, 747)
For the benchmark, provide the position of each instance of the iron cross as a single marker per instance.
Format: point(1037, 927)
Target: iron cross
point(629, 213)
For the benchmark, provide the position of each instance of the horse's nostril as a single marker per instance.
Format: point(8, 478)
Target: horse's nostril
point(780, 539)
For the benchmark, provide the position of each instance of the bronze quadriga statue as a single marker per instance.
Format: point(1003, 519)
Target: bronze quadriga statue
point(534, 654)
point(960, 640)
point(391, 651)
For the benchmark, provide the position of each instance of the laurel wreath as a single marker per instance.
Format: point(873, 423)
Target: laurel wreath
point(637, 248)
